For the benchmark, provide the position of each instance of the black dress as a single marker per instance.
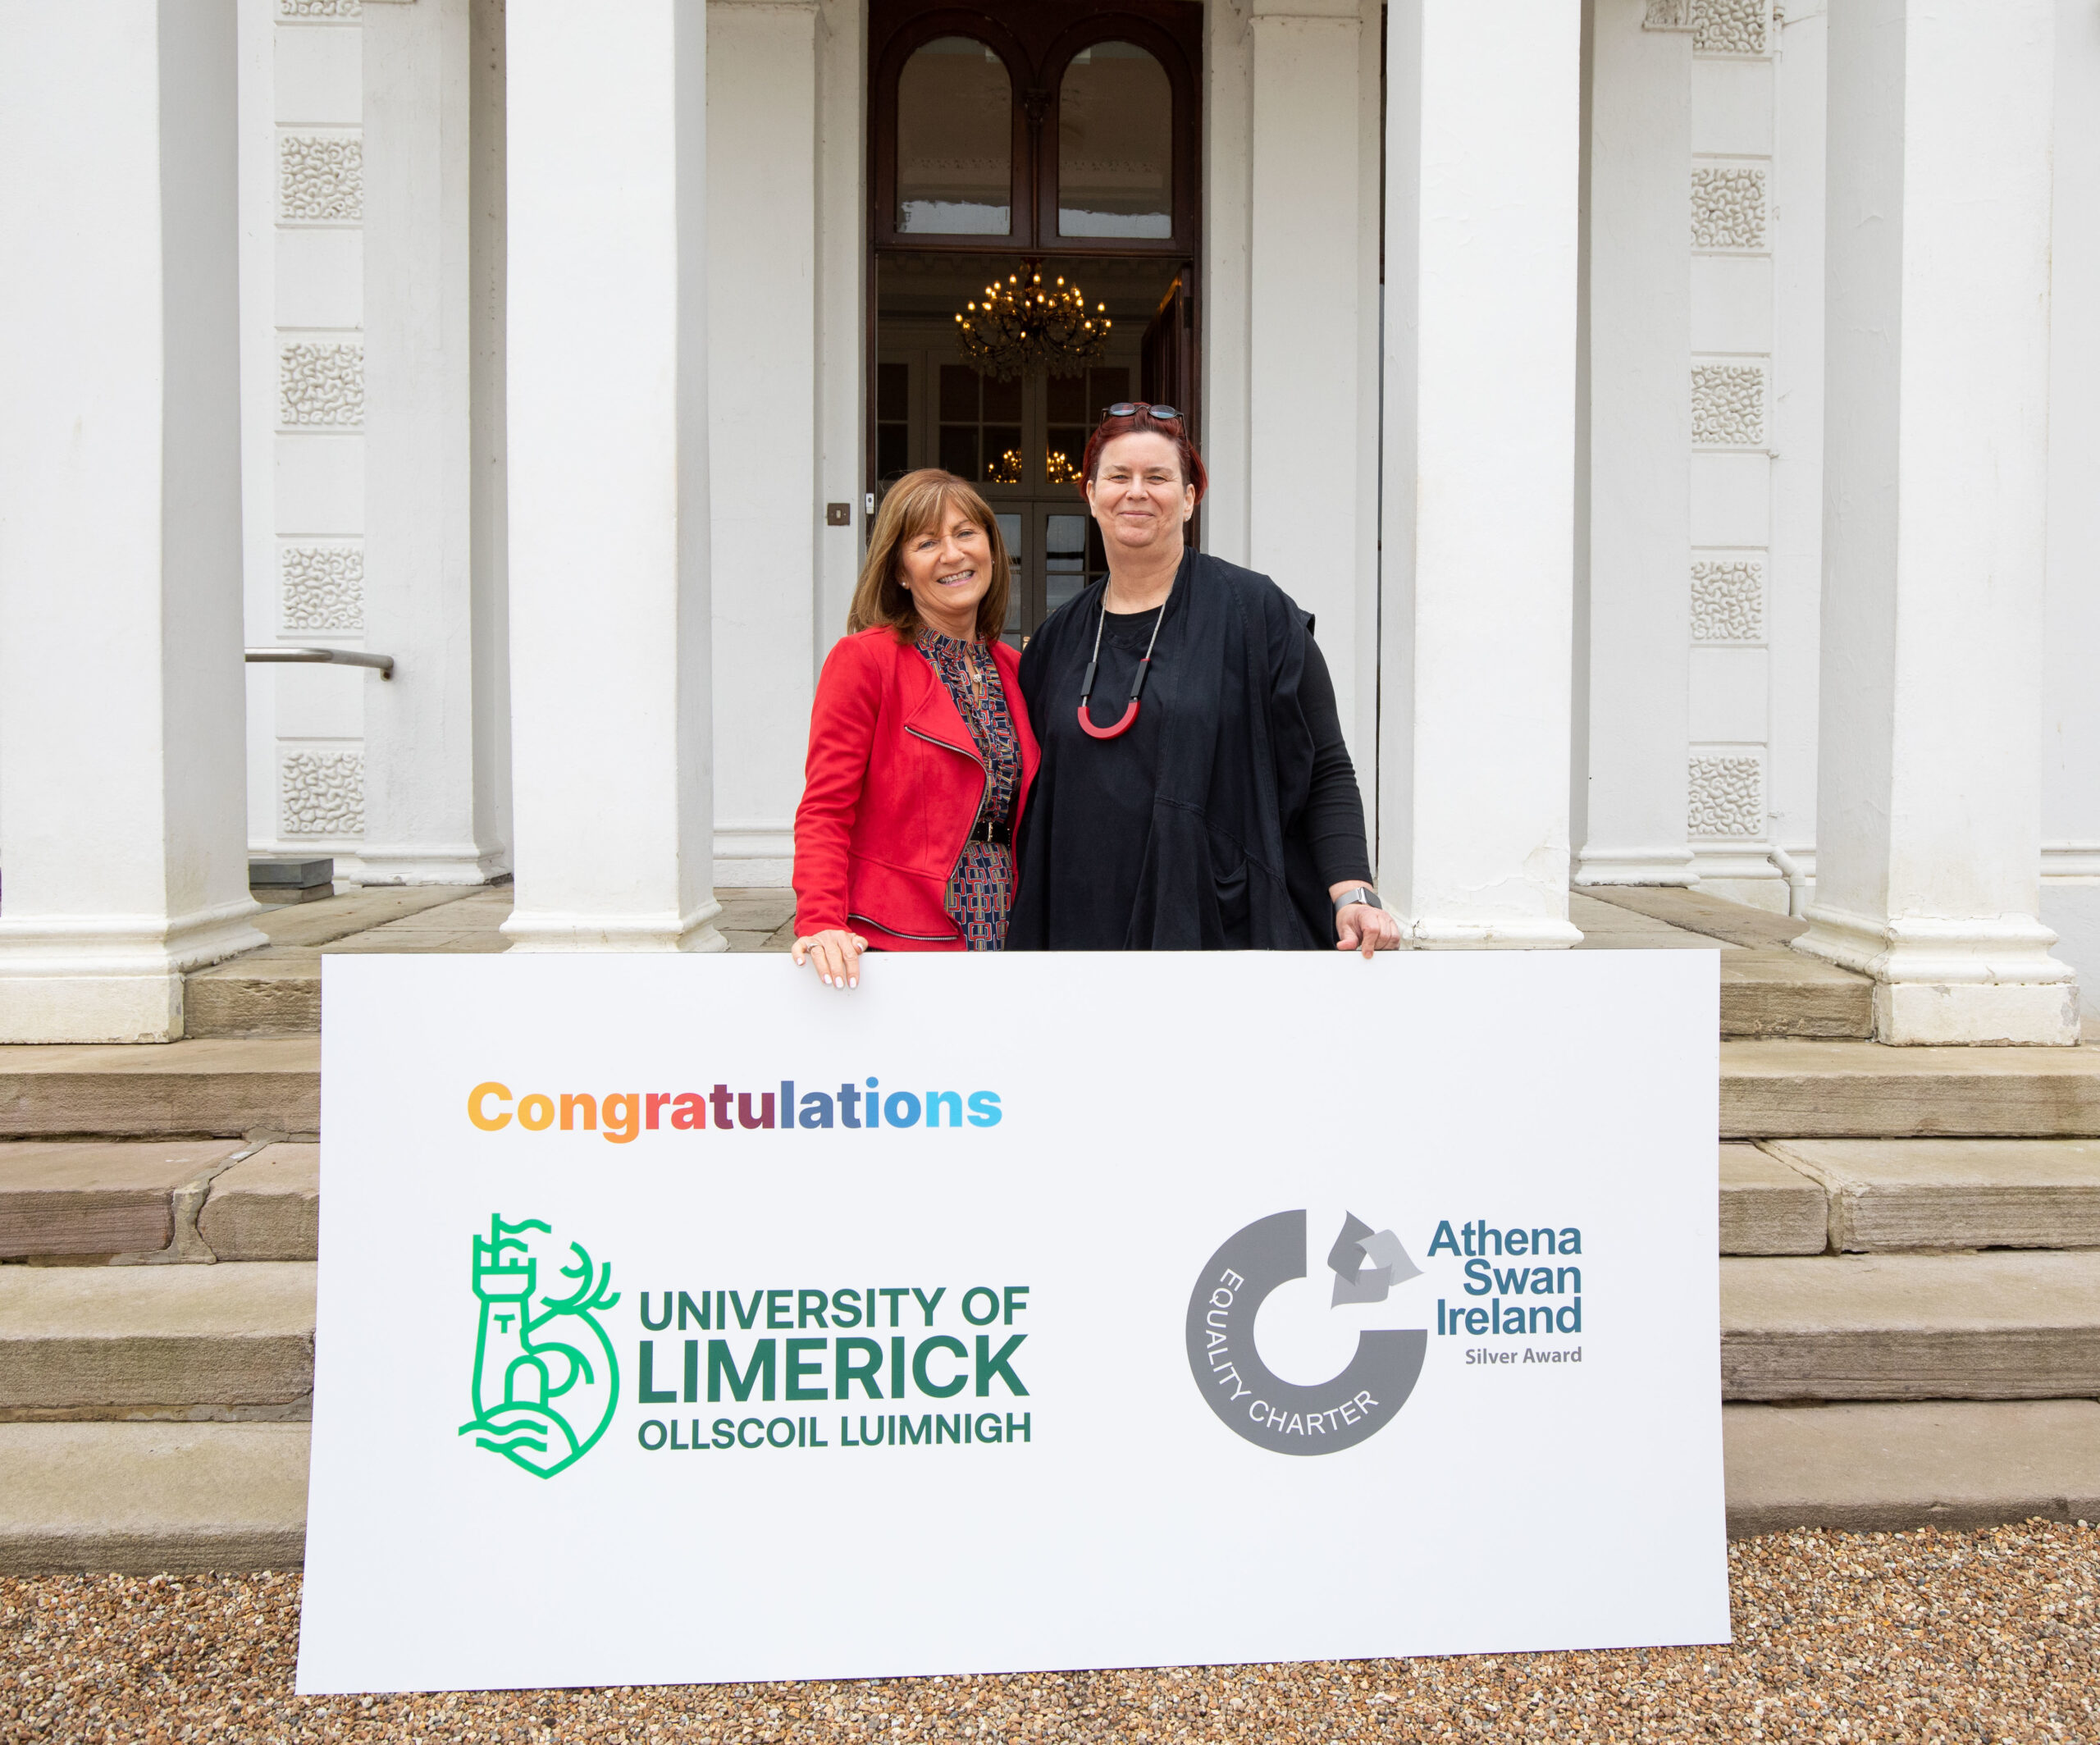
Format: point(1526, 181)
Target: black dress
point(1220, 820)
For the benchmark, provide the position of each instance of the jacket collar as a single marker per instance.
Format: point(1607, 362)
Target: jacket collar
point(930, 711)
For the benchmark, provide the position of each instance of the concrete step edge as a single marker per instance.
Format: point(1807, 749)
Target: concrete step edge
point(1889, 1468)
point(147, 1498)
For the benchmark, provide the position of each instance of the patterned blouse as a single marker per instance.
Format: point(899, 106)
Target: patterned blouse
point(981, 888)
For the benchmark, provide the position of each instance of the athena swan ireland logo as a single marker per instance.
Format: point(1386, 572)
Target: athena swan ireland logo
point(545, 1380)
point(1253, 1402)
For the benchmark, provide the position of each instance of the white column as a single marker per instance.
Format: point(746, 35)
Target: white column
point(1633, 513)
point(1928, 813)
point(123, 849)
point(436, 770)
point(609, 631)
point(1483, 136)
point(1311, 406)
point(766, 511)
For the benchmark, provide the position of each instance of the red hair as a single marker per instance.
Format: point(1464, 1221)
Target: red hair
point(1139, 423)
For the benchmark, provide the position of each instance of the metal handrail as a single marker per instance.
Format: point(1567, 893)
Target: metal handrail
point(323, 657)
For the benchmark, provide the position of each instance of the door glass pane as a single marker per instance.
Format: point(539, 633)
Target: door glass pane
point(893, 420)
point(980, 426)
point(1065, 403)
point(1009, 532)
point(1114, 145)
point(1064, 559)
point(955, 141)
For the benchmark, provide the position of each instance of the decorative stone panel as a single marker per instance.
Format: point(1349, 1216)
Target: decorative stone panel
point(321, 793)
point(1727, 798)
point(321, 382)
point(320, 178)
point(322, 587)
point(1727, 600)
point(302, 9)
point(1727, 406)
point(1727, 205)
point(1668, 15)
point(1728, 26)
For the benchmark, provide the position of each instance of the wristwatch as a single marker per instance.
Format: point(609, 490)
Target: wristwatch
point(1362, 893)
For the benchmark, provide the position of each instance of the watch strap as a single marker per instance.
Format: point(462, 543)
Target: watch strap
point(1362, 893)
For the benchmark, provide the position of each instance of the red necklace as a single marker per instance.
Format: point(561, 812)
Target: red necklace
point(1137, 686)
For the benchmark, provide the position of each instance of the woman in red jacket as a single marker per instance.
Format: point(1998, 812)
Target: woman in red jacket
point(920, 754)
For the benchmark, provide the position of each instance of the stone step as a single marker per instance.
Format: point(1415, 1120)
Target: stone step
point(1696, 911)
point(1997, 1325)
point(1778, 993)
point(276, 990)
point(178, 1341)
point(1766, 990)
point(1797, 1090)
point(267, 1206)
point(206, 1088)
point(1888, 1195)
point(1768, 1207)
point(1883, 1469)
point(99, 1196)
point(146, 1499)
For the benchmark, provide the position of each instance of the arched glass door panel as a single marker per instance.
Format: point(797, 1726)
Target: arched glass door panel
point(954, 133)
point(1115, 145)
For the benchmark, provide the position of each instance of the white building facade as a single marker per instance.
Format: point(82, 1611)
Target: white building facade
point(1683, 416)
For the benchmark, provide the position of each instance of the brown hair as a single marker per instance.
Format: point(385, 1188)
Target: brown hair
point(916, 502)
point(1175, 430)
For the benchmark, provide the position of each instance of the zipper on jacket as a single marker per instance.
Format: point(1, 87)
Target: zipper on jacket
point(898, 933)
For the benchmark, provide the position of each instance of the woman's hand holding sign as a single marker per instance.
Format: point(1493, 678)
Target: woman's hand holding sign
point(837, 954)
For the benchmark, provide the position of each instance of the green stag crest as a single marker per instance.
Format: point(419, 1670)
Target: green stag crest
point(545, 1380)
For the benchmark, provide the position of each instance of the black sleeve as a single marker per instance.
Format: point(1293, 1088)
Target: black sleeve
point(1332, 822)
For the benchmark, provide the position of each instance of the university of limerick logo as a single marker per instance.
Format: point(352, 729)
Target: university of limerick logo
point(1249, 1399)
point(545, 1381)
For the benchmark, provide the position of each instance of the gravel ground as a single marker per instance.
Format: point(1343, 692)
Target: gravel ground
point(1930, 1636)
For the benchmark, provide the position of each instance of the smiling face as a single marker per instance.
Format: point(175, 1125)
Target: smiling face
point(1138, 494)
point(946, 568)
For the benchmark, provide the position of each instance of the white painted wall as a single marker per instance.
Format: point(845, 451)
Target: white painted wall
point(841, 50)
point(1223, 311)
point(1793, 589)
point(1633, 485)
point(437, 781)
point(1311, 290)
point(302, 204)
point(2070, 687)
point(764, 367)
point(1733, 258)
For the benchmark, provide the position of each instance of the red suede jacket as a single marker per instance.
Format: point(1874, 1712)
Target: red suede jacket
point(892, 788)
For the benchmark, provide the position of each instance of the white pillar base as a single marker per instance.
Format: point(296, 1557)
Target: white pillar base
point(439, 863)
point(1518, 932)
point(1665, 866)
point(1969, 983)
point(94, 978)
point(617, 933)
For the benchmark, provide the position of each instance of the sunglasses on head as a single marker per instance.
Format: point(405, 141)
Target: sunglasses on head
point(1124, 409)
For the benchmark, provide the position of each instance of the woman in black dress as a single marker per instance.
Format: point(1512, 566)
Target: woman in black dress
point(1195, 793)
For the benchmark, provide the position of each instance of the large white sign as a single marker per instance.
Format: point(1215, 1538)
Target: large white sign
point(682, 1319)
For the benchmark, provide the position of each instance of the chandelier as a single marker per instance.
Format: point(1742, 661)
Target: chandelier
point(1023, 324)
